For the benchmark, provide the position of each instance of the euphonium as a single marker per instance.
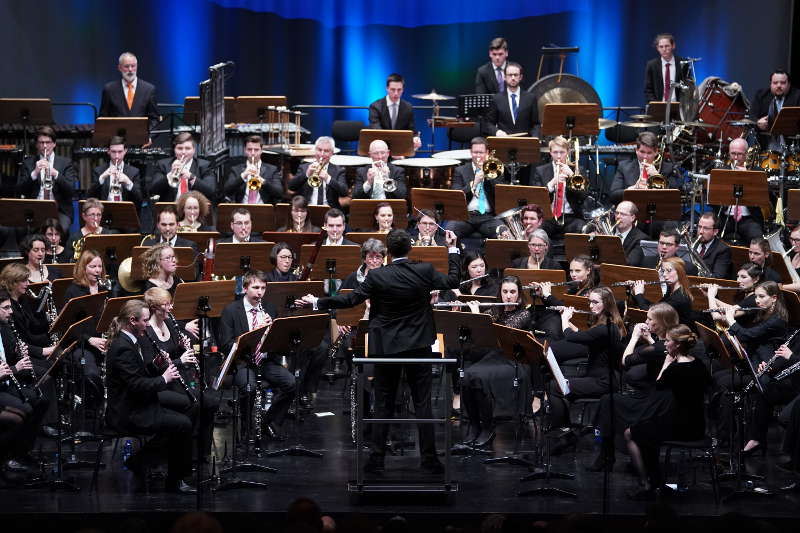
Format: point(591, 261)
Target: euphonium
point(492, 168)
point(314, 180)
point(254, 180)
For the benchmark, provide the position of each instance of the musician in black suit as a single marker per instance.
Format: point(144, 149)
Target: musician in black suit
point(625, 216)
point(370, 180)
point(241, 227)
point(333, 224)
point(130, 96)
point(479, 193)
point(656, 70)
point(490, 76)
point(715, 253)
point(167, 230)
point(400, 325)
point(117, 172)
point(391, 112)
point(333, 183)
point(62, 174)
point(668, 242)
point(750, 218)
point(630, 173)
point(194, 173)
point(271, 190)
point(244, 315)
point(566, 202)
point(133, 404)
point(501, 118)
point(767, 102)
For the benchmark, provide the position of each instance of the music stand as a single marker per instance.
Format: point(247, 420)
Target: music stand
point(60, 287)
point(219, 294)
point(663, 204)
point(610, 274)
point(191, 110)
point(28, 111)
point(500, 253)
point(282, 294)
point(114, 248)
point(135, 130)
point(32, 212)
point(290, 335)
point(360, 237)
point(512, 196)
point(738, 188)
point(600, 248)
point(515, 151)
point(346, 258)
point(316, 213)
point(118, 215)
point(262, 216)
point(447, 204)
point(236, 259)
point(295, 241)
point(793, 203)
point(435, 255)
point(400, 142)
point(792, 301)
point(361, 210)
point(570, 119)
point(255, 109)
point(700, 300)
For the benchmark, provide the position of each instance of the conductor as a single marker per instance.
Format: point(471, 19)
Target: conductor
point(400, 325)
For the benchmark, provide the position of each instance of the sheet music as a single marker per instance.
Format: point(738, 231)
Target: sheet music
point(563, 383)
point(224, 368)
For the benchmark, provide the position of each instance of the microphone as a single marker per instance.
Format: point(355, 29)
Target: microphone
point(690, 60)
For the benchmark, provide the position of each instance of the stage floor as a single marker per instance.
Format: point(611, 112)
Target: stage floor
point(482, 488)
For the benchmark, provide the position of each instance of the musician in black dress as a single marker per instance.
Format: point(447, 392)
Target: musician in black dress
point(600, 345)
point(584, 277)
point(748, 276)
point(56, 237)
point(193, 211)
point(538, 246)
point(678, 294)
point(297, 219)
point(282, 259)
point(675, 410)
point(34, 249)
point(134, 406)
point(488, 388)
point(473, 272)
point(759, 253)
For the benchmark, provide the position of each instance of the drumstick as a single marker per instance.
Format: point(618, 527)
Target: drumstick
point(424, 215)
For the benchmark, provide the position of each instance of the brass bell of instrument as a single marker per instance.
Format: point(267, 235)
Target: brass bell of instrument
point(657, 181)
point(492, 168)
point(254, 183)
point(577, 182)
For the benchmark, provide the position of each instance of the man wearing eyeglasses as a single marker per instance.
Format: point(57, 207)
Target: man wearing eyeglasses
point(715, 253)
point(746, 221)
point(242, 227)
point(625, 216)
point(669, 241)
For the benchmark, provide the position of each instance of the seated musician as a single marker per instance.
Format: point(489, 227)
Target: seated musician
point(134, 406)
point(599, 343)
point(167, 230)
point(92, 216)
point(625, 216)
point(712, 250)
point(479, 193)
point(116, 182)
point(381, 180)
point(538, 246)
point(297, 220)
point(750, 218)
point(59, 175)
point(239, 317)
point(428, 232)
point(56, 251)
point(382, 218)
point(242, 227)
point(333, 183)
point(794, 239)
point(33, 250)
point(759, 253)
point(678, 295)
point(163, 333)
point(282, 259)
point(159, 266)
point(269, 188)
point(32, 326)
point(373, 255)
point(488, 388)
point(668, 245)
point(473, 272)
point(641, 363)
point(748, 276)
point(193, 210)
point(185, 172)
point(532, 218)
point(21, 411)
point(566, 202)
point(635, 173)
point(334, 227)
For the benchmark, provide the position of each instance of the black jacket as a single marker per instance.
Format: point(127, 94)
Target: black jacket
point(544, 173)
point(271, 189)
point(204, 180)
point(762, 101)
point(654, 79)
point(628, 173)
point(396, 173)
point(101, 192)
point(463, 177)
point(717, 258)
point(114, 103)
point(233, 322)
point(337, 186)
point(486, 79)
point(633, 252)
point(379, 118)
point(499, 115)
point(63, 186)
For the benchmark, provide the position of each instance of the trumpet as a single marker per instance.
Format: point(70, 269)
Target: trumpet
point(561, 308)
point(382, 176)
point(480, 304)
point(44, 175)
point(656, 181)
point(723, 310)
point(315, 180)
point(254, 178)
point(114, 185)
point(174, 179)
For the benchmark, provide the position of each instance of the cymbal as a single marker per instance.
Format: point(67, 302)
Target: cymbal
point(639, 124)
point(742, 122)
point(433, 95)
point(605, 123)
point(700, 124)
point(641, 118)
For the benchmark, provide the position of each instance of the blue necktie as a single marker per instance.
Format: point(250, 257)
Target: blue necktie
point(514, 106)
point(481, 199)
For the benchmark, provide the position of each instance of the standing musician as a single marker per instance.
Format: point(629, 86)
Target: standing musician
point(625, 217)
point(130, 96)
point(759, 253)
point(244, 315)
point(334, 228)
point(282, 259)
point(428, 233)
point(116, 182)
point(538, 246)
point(56, 251)
point(512, 111)
point(333, 184)
point(193, 210)
point(769, 101)
point(401, 326)
point(92, 216)
point(750, 218)
point(678, 294)
point(490, 77)
point(134, 406)
point(714, 253)
point(47, 176)
point(162, 333)
point(183, 173)
point(485, 389)
point(635, 173)
point(566, 202)
point(662, 73)
point(373, 181)
point(269, 189)
point(392, 112)
point(33, 249)
point(479, 193)
point(297, 220)
point(599, 343)
point(167, 229)
point(669, 241)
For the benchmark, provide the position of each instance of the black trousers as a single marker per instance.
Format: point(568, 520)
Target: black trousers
point(312, 364)
point(173, 435)
point(19, 439)
point(386, 382)
point(280, 380)
point(177, 400)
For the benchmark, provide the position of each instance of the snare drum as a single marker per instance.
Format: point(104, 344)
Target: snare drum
point(428, 172)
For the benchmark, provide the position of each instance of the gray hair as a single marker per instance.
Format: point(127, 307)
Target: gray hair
point(325, 140)
point(373, 246)
point(123, 55)
point(541, 234)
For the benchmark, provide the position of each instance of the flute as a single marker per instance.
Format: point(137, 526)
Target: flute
point(564, 307)
point(470, 280)
point(535, 284)
point(480, 304)
point(629, 282)
point(706, 286)
point(722, 309)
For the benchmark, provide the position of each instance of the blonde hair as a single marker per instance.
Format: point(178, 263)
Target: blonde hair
point(12, 274)
point(156, 296)
point(151, 259)
point(559, 141)
point(132, 308)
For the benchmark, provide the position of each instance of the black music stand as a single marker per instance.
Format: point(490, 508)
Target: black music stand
point(664, 204)
point(134, 130)
point(512, 196)
point(33, 212)
point(400, 142)
point(515, 151)
point(282, 294)
point(361, 210)
point(738, 188)
point(290, 334)
point(28, 112)
point(601, 248)
point(447, 204)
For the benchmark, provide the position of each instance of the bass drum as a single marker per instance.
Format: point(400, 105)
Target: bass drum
point(719, 105)
point(563, 89)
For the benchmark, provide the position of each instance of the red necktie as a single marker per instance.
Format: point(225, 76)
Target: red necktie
point(183, 187)
point(666, 83)
point(558, 203)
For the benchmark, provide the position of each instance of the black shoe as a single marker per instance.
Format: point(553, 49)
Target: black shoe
point(564, 442)
point(273, 432)
point(306, 402)
point(485, 438)
point(135, 466)
point(181, 487)
point(432, 466)
point(49, 432)
point(15, 466)
point(794, 486)
point(758, 448)
point(473, 431)
point(374, 465)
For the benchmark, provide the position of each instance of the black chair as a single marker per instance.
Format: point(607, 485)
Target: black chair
point(462, 135)
point(346, 131)
point(106, 435)
point(708, 455)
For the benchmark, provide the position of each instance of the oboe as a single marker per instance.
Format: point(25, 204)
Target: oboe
point(186, 342)
point(161, 360)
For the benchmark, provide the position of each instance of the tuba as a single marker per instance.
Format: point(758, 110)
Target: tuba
point(602, 222)
point(492, 168)
point(512, 219)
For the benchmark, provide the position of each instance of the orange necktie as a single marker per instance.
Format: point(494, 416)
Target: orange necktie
point(130, 95)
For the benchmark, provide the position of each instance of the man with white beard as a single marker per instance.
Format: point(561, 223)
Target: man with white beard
point(129, 96)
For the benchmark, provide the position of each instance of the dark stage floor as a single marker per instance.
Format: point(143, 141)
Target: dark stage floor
point(482, 488)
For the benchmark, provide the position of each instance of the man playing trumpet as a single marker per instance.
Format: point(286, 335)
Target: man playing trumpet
point(253, 182)
point(381, 180)
point(635, 173)
point(332, 183)
point(116, 182)
point(185, 172)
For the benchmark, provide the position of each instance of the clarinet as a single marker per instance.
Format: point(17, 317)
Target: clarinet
point(162, 356)
point(786, 372)
point(14, 382)
point(21, 347)
point(186, 342)
point(771, 362)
